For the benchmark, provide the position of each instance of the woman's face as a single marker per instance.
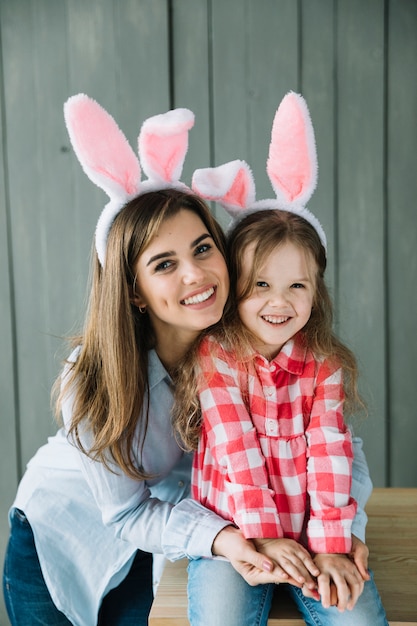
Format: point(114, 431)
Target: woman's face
point(181, 279)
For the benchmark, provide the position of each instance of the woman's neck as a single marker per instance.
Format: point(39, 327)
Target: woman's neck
point(171, 353)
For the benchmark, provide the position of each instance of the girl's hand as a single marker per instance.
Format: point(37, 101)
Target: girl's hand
point(256, 568)
point(293, 559)
point(340, 583)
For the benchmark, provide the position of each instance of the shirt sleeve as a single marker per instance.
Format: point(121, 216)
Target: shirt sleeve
point(329, 467)
point(235, 449)
point(145, 513)
point(361, 488)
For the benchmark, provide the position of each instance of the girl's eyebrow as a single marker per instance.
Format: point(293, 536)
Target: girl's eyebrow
point(168, 253)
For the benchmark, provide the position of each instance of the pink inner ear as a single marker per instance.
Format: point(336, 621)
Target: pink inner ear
point(164, 155)
point(101, 147)
point(289, 165)
point(239, 191)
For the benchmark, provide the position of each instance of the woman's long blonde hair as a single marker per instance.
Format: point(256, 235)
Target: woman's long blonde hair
point(109, 379)
point(267, 230)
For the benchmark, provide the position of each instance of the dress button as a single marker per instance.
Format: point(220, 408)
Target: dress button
point(180, 483)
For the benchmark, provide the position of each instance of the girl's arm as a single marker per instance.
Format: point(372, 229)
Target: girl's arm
point(229, 453)
point(329, 467)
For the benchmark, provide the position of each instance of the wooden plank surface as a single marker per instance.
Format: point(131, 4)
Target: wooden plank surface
point(392, 541)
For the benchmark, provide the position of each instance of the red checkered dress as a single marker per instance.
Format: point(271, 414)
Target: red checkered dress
point(274, 446)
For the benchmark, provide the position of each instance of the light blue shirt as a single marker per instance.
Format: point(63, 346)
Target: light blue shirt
point(88, 522)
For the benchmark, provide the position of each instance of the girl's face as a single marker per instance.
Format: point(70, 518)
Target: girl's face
point(281, 301)
point(182, 279)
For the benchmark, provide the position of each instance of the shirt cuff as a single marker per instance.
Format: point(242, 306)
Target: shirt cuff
point(191, 531)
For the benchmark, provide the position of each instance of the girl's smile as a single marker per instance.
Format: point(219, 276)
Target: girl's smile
point(281, 299)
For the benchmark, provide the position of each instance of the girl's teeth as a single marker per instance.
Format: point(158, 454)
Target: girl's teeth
point(275, 320)
point(201, 297)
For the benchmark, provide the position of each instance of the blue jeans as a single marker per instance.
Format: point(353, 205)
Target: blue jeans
point(29, 603)
point(218, 595)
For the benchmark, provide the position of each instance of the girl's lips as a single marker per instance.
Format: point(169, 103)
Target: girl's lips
point(200, 297)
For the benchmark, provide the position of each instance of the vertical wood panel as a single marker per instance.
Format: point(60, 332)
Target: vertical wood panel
point(318, 87)
point(8, 438)
point(191, 77)
point(255, 62)
point(361, 279)
point(402, 239)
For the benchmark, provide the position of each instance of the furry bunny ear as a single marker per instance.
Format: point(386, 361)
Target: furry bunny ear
point(163, 144)
point(109, 161)
point(231, 185)
point(292, 162)
point(101, 147)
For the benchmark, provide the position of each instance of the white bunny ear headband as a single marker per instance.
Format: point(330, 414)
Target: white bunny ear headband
point(291, 168)
point(109, 161)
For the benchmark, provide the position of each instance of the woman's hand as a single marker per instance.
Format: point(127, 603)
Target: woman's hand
point(256, 568)
point(293, 559)
point(339, 583)
point(359, 555)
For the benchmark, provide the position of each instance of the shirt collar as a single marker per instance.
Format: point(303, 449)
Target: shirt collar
point(292, 356)
point(156, 371)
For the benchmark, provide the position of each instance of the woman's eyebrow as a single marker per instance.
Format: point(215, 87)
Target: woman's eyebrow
point(168, 253)
point(161, 255)
point(197, 241)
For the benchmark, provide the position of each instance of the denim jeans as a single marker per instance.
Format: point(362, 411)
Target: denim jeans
point(218, 595)
point(29, 603)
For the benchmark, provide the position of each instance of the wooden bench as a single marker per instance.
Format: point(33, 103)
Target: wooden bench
point(392, 541)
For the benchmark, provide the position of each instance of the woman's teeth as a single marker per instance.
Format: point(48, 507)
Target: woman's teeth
point(200, 297)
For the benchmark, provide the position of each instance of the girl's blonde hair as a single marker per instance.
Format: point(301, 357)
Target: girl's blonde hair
point(266, 230)
point(109, 379)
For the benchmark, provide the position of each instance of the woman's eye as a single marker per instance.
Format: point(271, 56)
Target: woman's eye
point(164, 265)
point(261, 283)
point(204, 247)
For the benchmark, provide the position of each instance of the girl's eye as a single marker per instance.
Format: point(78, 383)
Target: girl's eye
point(261, 283)
point(297, 286)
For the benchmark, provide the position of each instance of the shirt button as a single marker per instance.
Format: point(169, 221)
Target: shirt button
point(273, 367)
point(271, 427)
point(180, 483)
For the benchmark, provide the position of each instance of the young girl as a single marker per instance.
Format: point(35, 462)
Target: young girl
point(274, 455)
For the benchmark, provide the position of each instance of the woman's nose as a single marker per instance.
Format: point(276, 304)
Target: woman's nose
point(192, 272)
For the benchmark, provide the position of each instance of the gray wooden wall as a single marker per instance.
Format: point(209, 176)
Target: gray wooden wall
point(231, 62)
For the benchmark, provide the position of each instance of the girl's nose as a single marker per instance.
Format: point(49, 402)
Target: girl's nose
point(277, 298)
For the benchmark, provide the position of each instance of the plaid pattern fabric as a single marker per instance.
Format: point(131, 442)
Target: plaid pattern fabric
point(275, 456)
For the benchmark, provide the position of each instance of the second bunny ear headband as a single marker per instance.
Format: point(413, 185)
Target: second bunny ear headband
point(291, 168)
point(109, 161)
